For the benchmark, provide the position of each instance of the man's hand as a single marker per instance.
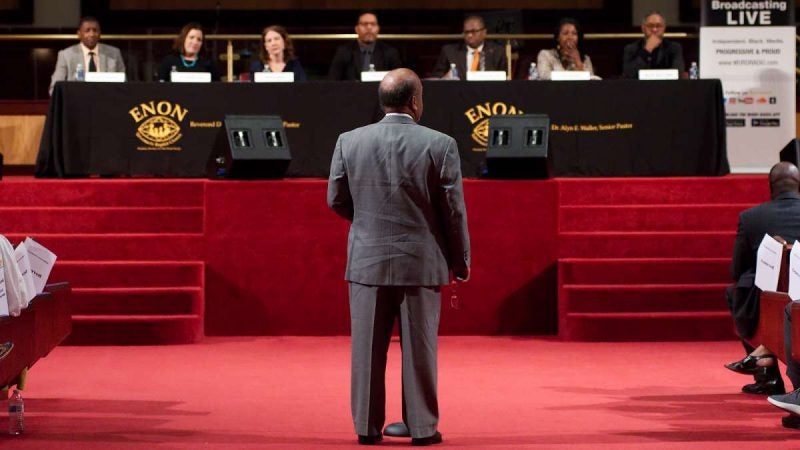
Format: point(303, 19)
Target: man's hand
point(461, 275)
point(652, 42)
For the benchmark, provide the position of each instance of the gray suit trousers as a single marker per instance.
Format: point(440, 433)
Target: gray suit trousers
point(373, 310)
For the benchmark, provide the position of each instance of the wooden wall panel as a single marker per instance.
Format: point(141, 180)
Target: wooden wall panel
point(19, 138)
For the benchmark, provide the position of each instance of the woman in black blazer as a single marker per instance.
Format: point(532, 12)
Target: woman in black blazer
point(277, 54)
point(187, 58)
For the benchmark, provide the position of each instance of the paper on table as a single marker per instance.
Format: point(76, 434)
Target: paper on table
point(768, 263)
point(41, 263)
point(21, 254)
point(3, 295)
point(794, 272)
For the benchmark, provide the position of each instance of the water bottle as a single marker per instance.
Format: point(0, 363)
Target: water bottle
point(16, 413)
point(80, 74)
point(533, 72)
point(453, 71)
point(694, 73)
point(372, 67)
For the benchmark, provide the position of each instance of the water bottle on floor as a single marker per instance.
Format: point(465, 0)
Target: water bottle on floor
point(16, 413)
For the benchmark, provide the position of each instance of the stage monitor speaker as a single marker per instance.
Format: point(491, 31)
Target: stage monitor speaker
point(518, 146)
point(791, 152)
point(251, 147)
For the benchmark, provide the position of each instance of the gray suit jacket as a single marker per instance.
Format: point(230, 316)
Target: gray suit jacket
point(400, 185)
point(110, 60)
point(494, 58)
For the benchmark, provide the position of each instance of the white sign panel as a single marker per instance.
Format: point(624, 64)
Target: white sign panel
point(750, 47)
point(373, 76)
point(105, 77)
point(273, 77)
point(570, 75)
point(768, 263)
point(659, 74)
point(794, 272)
point(190, 77)
point(486, 75)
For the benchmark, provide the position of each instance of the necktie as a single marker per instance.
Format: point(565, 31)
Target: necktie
point(92, 65)
point(366, 60)
point(476, 61)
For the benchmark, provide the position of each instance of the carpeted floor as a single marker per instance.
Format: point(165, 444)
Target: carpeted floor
point(495, 393)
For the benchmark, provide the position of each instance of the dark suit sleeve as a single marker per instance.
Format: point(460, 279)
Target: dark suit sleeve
point(676, 57)
point(442, 64)
point(502, 64)
point(339, 198)
point(454, 212)
point(341, 59)
point(165, 68)
point(299, 73)
point(392, 60)
point(743, 259)
point(215, 73)
point(634, 59)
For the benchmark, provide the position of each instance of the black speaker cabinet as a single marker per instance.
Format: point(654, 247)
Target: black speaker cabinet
point(791, 152)
point(251, 147)
point(518, 146)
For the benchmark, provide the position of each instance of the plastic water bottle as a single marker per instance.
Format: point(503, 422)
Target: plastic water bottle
point(16, 413)
point(533, 72)
point(453, 71)
point(372, 67)
point(80, 73)
point(694, 73)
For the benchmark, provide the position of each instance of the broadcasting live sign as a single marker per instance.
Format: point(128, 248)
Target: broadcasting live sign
point(745, 13)
point(750, 47)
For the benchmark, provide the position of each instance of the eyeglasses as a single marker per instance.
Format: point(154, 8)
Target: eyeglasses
point(473, 31)
point(367, 24)
point(654, 26)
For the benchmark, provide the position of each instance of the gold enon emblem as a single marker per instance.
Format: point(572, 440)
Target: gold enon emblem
point(159, 131)
point(159, 123)
point(479, 115)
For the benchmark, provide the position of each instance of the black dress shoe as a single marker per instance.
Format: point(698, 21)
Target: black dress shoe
point(5, 349)
point(436, 438)
point(749, 364)
point(767, 387)
point(790, 421)
point(397, 429)
point(369, 440)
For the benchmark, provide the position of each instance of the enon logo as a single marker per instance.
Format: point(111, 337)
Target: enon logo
point(479, 115)
point(159, 122)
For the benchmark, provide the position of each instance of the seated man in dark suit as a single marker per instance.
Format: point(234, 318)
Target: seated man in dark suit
point(652, 51)
point(482, 55)
point(355, 57)
point(778, 217)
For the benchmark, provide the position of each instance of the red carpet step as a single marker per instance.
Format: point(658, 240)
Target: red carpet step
point(648, 259)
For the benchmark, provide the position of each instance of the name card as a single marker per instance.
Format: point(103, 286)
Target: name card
point(794, 272)
point(41, 262)
point(190, 77)
point(273, 77)
point(486, 75)
point(373, 76)
point(659, 74)
point(24, 264)
point(570, 75)
point(768, 263)
point(105, 77)
point(3, 294)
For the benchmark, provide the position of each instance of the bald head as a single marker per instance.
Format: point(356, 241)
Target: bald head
point(784, 177)
point(400, 91)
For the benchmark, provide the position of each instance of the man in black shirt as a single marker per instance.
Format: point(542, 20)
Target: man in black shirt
point(355, 57)
point(652, 51)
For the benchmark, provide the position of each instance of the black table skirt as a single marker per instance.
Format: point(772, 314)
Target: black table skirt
point(598, 128)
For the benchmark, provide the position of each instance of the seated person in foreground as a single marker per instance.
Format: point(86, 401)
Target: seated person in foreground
point(778, 217)
point(652, 51)
point(94, 56)
point(567, 55)
point(474, 54)
point(355, 57)
point(187, 58)
point(277, 54)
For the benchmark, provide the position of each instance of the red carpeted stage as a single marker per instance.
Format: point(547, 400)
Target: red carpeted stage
point(165, 261)
point(495, 393)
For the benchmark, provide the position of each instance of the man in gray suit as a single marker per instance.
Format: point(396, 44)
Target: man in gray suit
point(474, 54)
point(399, 184)
point(94, 57)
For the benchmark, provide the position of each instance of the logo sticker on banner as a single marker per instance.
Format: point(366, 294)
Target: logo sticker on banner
point(478, 116)
point(159, 124)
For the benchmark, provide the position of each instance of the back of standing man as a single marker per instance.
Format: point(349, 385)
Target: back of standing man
point(400, 185)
